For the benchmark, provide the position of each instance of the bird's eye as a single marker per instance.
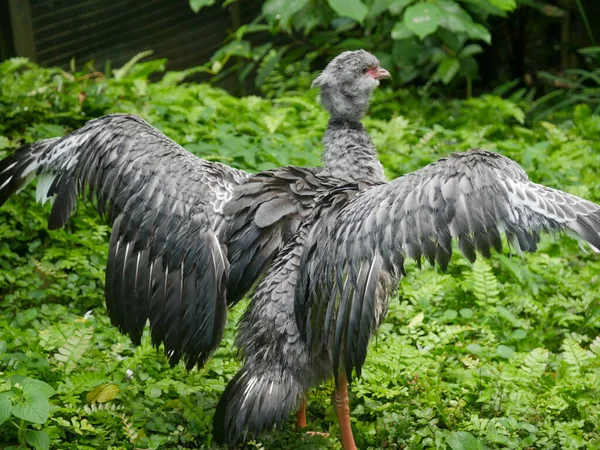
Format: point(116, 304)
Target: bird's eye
point(365, 70)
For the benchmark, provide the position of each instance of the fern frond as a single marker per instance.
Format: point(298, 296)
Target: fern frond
point(595, 346)
point(535, 362)
point(129, 429)
point(510, 109)
point(530, 305)
point(12, 64)
point(581, 115)
point(73, 349)
point(558, 403)
point(482, 282)
point(96, 407)
point(574, 354)
point(174, 78)
point(81, 382)
point(121, 73)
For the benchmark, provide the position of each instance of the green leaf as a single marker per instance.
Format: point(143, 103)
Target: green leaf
point(534, 364)
point(482, 282)
point(467, 313)
point(463, 440)
point(454, 41)
point(103, 393)
point(447, 70)
point(155, 392)
point(470, 50)
point(574, 354)
point(417, 320)
point(589, 50)
point(505, 5)
point(486, 395)
point(39, 440)
point(378, 7)
point(519, 334)
point(397, 6)
point(508, 315)
point(581, 115)
point(122, 73)
point(422, 18)
point(474, 348)
point(5, 406)
point(197, 5)
point(33, 385)
point(505, 352)
point(4, 143)
point(450, 314)
point(32, 407)
point(401, 31)
point(354, 9)
point(267, 65)
point(454, 18)
point(282, 10)
point(477, 31)
point(234, 48)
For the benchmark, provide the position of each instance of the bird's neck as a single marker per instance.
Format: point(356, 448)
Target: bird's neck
point(349, 152)
point(342, 105)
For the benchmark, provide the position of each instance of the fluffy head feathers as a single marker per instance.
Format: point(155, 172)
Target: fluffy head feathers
point(347, 84)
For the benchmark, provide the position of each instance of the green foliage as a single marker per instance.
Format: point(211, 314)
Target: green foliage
point(430, 40)
point(503, 353)
point(571, 87)
point(412, 38)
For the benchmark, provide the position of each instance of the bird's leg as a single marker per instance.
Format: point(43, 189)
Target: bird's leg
point(301, 415)
point(301, 421)
point(341, 405)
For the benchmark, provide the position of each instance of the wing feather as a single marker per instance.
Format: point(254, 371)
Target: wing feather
point(165, 206)
point(354, 256)
point(265, 211)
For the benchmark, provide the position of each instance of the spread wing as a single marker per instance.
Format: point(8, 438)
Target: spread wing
point(165, 262)
point(353, 259)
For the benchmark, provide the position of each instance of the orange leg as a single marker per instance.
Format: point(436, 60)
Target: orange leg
point(341, 405)
point(301, 421)
point(301, 415)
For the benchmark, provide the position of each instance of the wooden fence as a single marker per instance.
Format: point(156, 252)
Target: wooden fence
point(52, 32)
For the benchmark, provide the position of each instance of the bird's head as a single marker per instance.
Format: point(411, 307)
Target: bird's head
point(347, 84)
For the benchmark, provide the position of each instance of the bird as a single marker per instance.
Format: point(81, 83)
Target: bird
point(274, 378)
point(326, 293)
point(190, 237)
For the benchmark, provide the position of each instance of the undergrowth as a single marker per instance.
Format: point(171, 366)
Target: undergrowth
point(503, 353)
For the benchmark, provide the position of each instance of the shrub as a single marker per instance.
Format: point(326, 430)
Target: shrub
point(500, 354)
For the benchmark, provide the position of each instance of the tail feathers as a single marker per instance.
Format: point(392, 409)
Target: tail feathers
point(255, 401)
point(17, 170)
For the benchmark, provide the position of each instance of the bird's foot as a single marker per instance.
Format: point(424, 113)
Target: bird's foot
point(318, 433)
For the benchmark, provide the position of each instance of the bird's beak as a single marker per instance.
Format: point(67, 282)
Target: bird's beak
point(380, 73)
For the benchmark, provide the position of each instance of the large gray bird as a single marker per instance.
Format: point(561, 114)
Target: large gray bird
point(190, 237)
point(327, 292)
point(278, 369)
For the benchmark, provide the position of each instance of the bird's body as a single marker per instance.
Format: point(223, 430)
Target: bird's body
point(276, 357)
point(191, 237)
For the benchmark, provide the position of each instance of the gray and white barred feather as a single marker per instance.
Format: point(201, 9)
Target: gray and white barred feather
point(165, 262)
point(469, 197)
